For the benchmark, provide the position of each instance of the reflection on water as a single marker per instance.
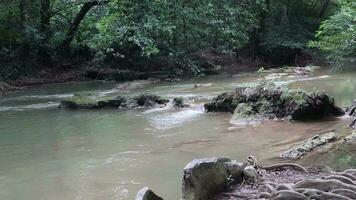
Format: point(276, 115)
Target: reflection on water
point(48, 153)
point(341, 86)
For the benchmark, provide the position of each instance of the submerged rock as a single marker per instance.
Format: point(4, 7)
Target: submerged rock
point(351, 111)
point(178, 102)
point(147, 194)
point(267, 101)
point(203, 178)
point(150, 100)
point(309, 145)
point(5, 88)
point(351, 138)
point(85, 102)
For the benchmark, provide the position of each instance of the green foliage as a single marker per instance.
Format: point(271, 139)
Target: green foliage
point(150, 35)
point(175, 29)
point(337, 34)
point(296, 96)
point(288, 26)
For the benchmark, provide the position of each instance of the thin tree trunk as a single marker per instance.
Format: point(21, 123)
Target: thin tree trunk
point(23, 14)
point(45, 20)
point(324, 8)
point(75, 24)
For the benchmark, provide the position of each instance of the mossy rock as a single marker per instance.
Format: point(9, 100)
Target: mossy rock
point(87, 102)
point(150, 100)
point(270, 101)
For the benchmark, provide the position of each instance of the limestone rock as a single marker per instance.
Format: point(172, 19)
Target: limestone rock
point(203, 178)
point(147, 194)
point(309, 145)
point(88, 102)
point(351, 138)
point(250, 173)
point(234, 170)
point(269, 101)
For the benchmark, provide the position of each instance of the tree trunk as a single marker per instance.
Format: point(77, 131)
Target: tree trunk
point(324, 8)
point(75, 24)
point(45, 31)
point(45, 20)
point(23, 14)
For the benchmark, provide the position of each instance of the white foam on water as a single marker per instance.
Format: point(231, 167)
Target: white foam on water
point(301, 79)
point(176, 119)
point(119, 156)
point(28, 107)
point(53, 96)
point(106, 92)
point(159, 109)
point(244, 122)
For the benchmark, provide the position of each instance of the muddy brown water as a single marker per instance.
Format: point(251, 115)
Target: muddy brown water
point(47, 153)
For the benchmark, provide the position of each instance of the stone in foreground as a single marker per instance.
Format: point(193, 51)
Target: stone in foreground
point(203, 178)
point(147, 194)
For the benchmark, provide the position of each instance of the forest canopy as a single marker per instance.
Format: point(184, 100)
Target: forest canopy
point(137, 34)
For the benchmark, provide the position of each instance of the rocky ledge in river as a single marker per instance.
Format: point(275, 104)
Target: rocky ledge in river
point(351, 111)
point(226, 179)
point(144, 100)
point(267, 101)
point(310, 144)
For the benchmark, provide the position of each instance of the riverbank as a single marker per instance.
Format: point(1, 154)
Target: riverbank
point(210, 63)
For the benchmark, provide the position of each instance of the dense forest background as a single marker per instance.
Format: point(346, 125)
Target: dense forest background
point(167, 35)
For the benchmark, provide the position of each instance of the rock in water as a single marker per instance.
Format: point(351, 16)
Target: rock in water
point(269, 101)
point(309, 145)
point(351, 138)
point(351, 111)
point(150, 100)
point(88, 102)
point(203, 178)
point(317, 105)
point(147, 194)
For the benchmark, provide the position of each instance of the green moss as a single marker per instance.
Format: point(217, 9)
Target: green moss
point(244, 110)
point(265, 107)
point(178, 102)
point(296, 96)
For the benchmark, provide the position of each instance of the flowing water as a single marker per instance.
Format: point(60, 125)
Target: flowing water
point(49, 153)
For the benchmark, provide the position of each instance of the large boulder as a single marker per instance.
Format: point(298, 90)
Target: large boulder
point(316, 105)
point(147, 194)
point(268, 101)
point(203, 178)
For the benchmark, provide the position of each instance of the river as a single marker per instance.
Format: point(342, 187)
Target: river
point(49, 153)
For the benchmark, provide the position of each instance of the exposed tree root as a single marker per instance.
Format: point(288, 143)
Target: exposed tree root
point(289, 181)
